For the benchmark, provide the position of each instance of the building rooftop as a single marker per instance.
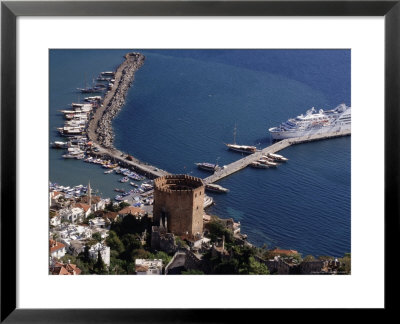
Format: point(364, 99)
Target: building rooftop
point(131, 210)
point(55, 246)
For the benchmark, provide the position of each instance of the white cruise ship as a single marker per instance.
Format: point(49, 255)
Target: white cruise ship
point(313, 122)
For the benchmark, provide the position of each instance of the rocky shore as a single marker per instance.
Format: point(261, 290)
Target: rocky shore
point(100, 127)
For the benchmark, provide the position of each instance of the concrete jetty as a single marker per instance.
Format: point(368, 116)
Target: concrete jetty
point(278, 146)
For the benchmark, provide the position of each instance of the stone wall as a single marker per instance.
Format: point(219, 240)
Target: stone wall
point(179, 199)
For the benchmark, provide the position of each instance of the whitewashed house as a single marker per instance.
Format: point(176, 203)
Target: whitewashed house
point(57, 249)
point(148, 267)
point(55, 220)
point(72, 215)
point(104, 252)
point(86, 209)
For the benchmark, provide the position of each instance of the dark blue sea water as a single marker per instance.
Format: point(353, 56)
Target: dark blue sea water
point(183, 107)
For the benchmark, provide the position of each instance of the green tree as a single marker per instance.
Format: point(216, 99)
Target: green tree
point(217, 230)
point(110, 207)
point(180, 243)
point(84, 267)
point(345, 266)
point(114, 242)
point(85, 255)
point(99, 267)
point(227, 267)
point(97, 237)
point(130, 225)
point(117, 266)
point(163, 256)
point(122, 205)
point(325, 258)
point(308, 258)
point(257, 268)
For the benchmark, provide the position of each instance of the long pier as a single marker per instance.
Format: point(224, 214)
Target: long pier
point(278, 146)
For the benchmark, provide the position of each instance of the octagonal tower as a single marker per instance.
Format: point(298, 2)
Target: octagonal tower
point(179, 204)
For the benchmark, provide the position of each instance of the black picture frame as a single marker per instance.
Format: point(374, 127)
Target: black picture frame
point(10, 10)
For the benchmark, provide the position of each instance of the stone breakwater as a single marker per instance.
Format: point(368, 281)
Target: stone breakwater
point(100, 130)
point(100, 127)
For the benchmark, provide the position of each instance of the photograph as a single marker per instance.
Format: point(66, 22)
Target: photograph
point(199, 161)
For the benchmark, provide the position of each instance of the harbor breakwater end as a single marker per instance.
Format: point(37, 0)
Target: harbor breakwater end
point(278, 146)
point(99, 130)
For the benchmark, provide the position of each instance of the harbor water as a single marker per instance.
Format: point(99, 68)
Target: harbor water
point(184, 105)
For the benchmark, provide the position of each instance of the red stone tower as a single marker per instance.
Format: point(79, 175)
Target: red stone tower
point(179, 204)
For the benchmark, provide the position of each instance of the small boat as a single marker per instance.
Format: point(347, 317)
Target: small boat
point(259, 165)
point(268, 162)
point(108, 172)
point(73, 156)
point(118, 198)
point(277, 157)
point(216, 188)
point(124, 179)
point(146, 186)
point(108, 73)
point(134, 184)
point(60, 145)
point(207, 166)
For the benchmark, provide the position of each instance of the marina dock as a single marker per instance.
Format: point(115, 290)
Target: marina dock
point(276, 147)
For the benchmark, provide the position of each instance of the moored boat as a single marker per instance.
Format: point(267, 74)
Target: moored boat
point(313, 122)
point(259, 165)
point(277, 157)
point(216, 188)
point(207, 166)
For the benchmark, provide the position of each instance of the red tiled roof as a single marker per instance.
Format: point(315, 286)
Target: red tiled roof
point(60, 271)
point(72, 267)
point(55, 246)
point(85, 207)
point(95, 199)
point(285, 252)
point(111, 215)
point(131, 210)
point(65, 269)
point(141, 268)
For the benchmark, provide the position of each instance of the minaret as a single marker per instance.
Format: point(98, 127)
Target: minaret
point(90, 195)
